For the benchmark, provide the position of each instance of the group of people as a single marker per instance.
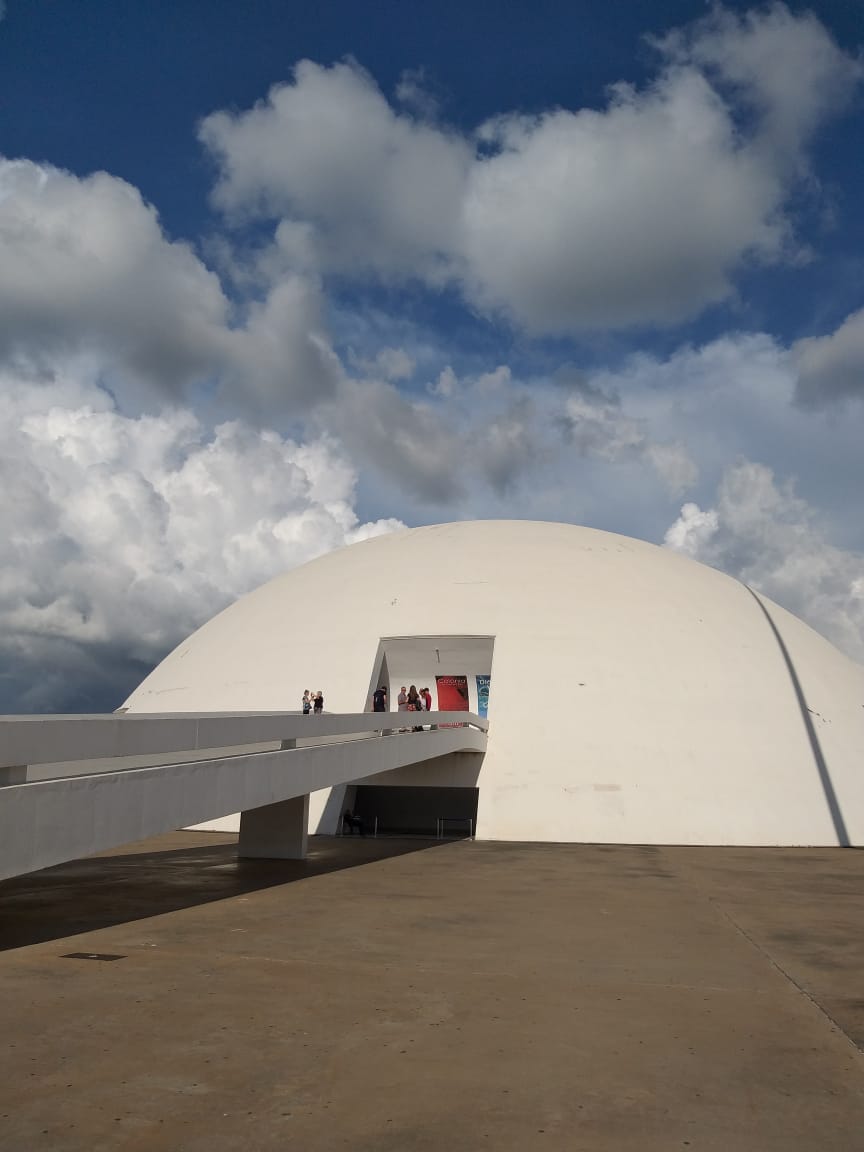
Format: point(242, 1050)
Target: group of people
point(313, 702)
point(409, 700)
point(414, 701)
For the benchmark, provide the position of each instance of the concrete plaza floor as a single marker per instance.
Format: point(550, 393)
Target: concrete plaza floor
point(390, 996)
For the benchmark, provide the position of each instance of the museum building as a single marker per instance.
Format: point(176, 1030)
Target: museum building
point(633, 695)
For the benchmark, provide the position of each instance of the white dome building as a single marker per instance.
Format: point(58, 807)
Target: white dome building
point(634, 696)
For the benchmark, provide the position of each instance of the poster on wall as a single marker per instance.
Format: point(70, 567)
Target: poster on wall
point(483, 695)
point(452, 695)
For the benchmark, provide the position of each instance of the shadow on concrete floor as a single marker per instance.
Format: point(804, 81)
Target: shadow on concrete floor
point(110, 888)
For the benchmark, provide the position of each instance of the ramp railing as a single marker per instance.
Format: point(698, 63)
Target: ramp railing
point(67, 742)
point(74, 785)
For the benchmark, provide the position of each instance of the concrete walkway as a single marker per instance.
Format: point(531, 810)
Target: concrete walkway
point(391, 996)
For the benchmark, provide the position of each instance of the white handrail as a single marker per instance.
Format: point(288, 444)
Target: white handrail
point(68, 814)
point(30, 740)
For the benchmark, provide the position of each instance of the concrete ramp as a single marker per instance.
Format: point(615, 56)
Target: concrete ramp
point(72, 786)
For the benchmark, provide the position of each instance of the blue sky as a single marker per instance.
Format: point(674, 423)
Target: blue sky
point(274, 277)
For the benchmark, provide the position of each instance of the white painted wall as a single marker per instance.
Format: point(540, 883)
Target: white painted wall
point(670, 715)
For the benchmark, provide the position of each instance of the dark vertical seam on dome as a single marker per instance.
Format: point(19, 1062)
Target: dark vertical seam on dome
point(821, 764)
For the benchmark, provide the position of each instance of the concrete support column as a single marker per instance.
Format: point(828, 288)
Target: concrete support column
point(276, 831)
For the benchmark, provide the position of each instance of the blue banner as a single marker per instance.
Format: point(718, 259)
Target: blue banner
point(483, 695)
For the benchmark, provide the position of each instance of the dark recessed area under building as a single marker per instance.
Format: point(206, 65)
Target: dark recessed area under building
point(450, 812)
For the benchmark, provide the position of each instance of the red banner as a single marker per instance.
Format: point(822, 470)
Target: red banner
point(452, 694)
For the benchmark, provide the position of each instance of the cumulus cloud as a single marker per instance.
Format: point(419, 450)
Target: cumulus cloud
point(641, 213)
point(511, 444)
point(413, 91)
point(121, 534)
point(84, 266)
point(86, 271)
point(597, 424)
point(785, 67)
point(125, 522)
point(445, 384)
point(458, 436)
point(379, 185)
point(634, 215)
point(831, 368)
point(637, 213)
point(494, 430)
point(761, 531)
point(388, 363)
point(280, 359)
point(692, 531)
point(411, 443)
point(735, 397)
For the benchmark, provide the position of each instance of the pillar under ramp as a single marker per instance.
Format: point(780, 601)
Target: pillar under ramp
point(278, 831)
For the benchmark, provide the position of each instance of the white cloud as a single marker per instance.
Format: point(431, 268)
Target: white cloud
point(597, 424)
point(511, 445)
point(412, 444)
point(673, 464)
point(458, 436)
point(634, 215)
point(762, 532)
point(692, 531)
point(388, 363)
point(639, 213)
point(86, 272)
point(413, 92)
point(491, 430)
point(735, 398)
point(84, 266)
point(784, 65)
point(280, 359)
point(119, 531)
point(832, 367)
point(379, 186)
point(445, 384)
point(117, 303)
point(486, 386)
point(126, 533)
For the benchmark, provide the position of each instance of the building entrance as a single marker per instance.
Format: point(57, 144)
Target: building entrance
point(406, 811)
point(455, 669)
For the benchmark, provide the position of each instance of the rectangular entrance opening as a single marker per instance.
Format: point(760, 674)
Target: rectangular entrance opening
point(417, 811)
point(457, 670)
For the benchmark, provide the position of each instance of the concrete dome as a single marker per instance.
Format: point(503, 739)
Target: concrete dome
point(636, 696)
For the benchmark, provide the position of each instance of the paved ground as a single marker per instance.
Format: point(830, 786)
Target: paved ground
point(394, 996)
